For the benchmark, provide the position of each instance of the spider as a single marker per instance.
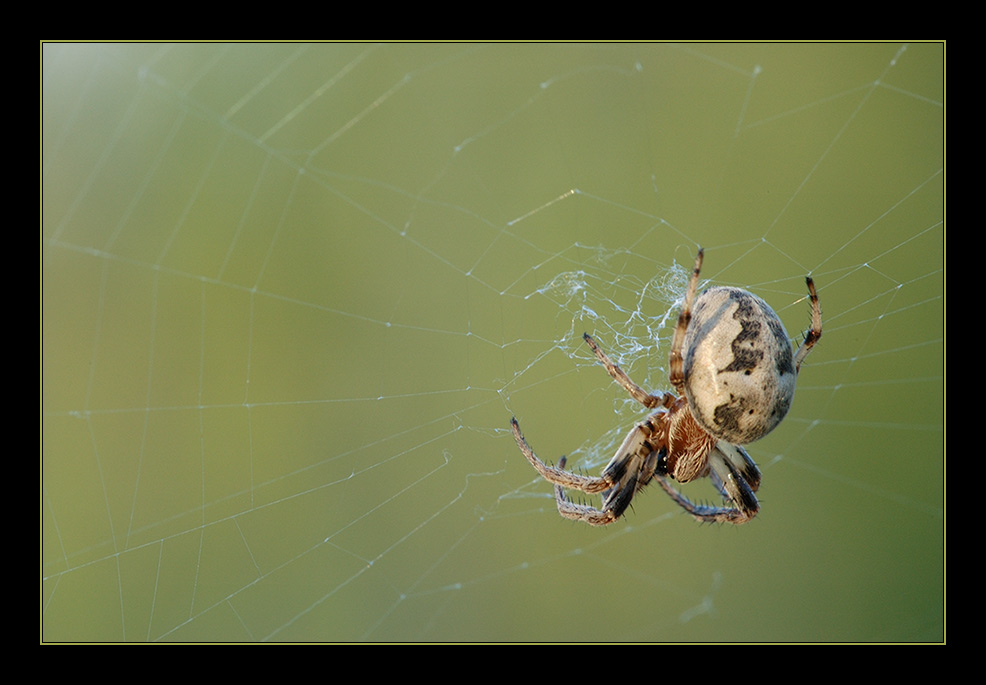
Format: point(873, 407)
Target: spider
point(733, 368)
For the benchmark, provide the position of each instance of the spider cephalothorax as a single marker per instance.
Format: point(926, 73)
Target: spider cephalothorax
point(734, 370)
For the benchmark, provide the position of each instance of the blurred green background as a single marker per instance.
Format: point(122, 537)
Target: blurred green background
point(292, 294)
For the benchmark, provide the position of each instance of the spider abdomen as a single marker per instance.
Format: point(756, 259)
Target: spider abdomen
point(739, 372)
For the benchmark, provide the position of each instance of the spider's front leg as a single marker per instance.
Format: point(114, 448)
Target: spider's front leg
point(707, 513)
point(556, 474)
point(582, 512)
point(634, 464)
point(566, 479)
point(631, 468)
point(735, 476)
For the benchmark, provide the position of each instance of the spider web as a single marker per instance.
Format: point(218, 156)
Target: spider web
point(293, 293)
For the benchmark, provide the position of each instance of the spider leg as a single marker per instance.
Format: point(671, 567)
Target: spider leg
point(815, 332)
point(581, 512)
point(556, 474)
point(702, 512)
point(727, 474)
point(630, 469)
point(740, 460)
point(676, 363)
point(650, 401)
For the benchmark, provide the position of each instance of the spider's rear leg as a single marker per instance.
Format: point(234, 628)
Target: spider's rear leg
point(815, 332)
point(663, 399)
